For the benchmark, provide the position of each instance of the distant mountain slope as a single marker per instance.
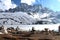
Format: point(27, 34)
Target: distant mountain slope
point(23, 18)
point(18, 18)
point(28, 15)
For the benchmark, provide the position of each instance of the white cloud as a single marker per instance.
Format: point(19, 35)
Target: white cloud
point(6, 4)
point(29, 2)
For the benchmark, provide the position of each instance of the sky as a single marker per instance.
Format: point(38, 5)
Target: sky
point(17, 2)
point(51, 4)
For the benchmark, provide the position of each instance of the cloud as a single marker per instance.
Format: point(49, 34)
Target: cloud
point(29, 2)
point(6, 4)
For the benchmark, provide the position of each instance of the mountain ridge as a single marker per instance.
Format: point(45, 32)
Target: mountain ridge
point(29, 15)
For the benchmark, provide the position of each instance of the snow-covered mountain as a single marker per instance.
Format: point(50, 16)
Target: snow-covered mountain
point(26, 8)
point(23, 18)
point(28, 15)
point(15, 18)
